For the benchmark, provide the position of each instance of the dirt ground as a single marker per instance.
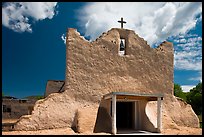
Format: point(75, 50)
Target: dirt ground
point(183, 131)
point(62, 131)
point(68, 131)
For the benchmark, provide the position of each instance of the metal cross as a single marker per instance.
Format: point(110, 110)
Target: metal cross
point(121, 21)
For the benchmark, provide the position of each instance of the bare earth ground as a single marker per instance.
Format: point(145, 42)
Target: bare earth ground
point(183, 131)
point(62, 131)
point(68, 131)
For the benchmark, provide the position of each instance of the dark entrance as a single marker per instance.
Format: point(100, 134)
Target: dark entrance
point(124, 115)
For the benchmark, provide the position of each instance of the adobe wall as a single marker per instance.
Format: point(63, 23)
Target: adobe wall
point(54, 86)
point(17, 107)
point(94, 69)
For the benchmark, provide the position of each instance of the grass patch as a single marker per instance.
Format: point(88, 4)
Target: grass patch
point(200, 120)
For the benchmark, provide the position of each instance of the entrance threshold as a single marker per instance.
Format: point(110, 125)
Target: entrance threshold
point(135, 132)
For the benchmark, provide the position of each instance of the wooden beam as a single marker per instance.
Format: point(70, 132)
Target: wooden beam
point(127, 97)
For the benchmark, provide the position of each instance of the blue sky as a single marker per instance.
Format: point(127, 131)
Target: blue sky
point(33, 49)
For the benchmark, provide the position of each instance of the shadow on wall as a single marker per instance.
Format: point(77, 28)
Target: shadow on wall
point(103, 120)
point(74, 123)
point(146, 122)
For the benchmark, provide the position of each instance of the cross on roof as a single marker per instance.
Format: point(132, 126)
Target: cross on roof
point(121, 21)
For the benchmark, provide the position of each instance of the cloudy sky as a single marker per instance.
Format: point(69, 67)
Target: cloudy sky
point(33, 34)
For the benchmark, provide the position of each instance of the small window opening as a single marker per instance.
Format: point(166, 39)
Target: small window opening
point(122, 47)
point(6, 108)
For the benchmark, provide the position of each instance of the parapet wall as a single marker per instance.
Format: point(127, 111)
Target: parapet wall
point(95, 68)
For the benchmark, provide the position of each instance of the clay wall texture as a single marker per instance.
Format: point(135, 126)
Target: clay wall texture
point(95, 69)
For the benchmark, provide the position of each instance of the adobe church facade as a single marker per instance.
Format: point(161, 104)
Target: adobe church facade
point(101, 69)
point(98, 67)
point(105, 91)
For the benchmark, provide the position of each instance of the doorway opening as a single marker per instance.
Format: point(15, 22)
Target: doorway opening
point(124, 112)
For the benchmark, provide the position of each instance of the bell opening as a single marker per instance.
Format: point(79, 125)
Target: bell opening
point(122, 47)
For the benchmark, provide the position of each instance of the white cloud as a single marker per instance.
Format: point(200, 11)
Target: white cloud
point(17, 15)
point(198, 78)
point(186, 88)
point(63, 37)
point(184, 64)
point(188, 52)
point(154, 21)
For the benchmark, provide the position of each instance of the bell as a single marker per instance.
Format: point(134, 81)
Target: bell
point(122, 47)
